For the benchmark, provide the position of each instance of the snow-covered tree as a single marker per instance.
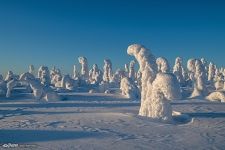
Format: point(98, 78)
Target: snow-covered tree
point(68, 83)
point(178, 70)
point(75, 72)
point(3, 87)
point(138, 79)
point(211, 71)
point(219, 81)
point(205, 67)
point(126, 69)
point(168, 84)
point(95, 75)
point(131, 70)
point(116, 79)
point(10, 76)
point(44, 75)
point(163, 65)
point(31, 69)
point(108, 74)
point(84, 68)
point(197, 75)
point(153, 99)
point(129, 89)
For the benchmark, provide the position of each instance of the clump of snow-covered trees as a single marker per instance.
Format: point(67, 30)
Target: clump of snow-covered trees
point(157, 87)
point(155, 83)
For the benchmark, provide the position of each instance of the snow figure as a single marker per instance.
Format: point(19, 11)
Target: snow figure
point(211, 72)
point(84, 67)
point(131, 70)
point(95, 75)
point(107, 75)
point(129, 89)
point(10, 76)
point(75, 73)
point(178, 70)
point(31, 69)
point(154, 102)
point(44, 75)
point(163, 65)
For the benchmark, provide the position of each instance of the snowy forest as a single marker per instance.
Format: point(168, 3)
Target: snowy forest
point(127, 97)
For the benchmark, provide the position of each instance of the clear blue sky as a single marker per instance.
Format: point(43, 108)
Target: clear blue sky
point(52, 32)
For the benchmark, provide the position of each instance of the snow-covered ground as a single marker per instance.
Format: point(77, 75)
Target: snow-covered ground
point(105, 121)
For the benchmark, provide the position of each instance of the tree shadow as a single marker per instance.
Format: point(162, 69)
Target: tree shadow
point(71, 104)
point(206, 114)
point(92, 97)
point(22, 111)
point(27, 136)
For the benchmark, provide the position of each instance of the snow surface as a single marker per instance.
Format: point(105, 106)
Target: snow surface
point(86, 121)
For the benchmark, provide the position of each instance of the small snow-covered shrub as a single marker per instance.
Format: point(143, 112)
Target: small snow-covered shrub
point(216, 96)
point(129, 89)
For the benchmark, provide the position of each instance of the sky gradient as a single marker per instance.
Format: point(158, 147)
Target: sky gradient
point(51, 32)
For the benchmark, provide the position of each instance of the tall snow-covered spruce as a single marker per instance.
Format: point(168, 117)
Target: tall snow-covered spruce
point(157, 88)
point(84, 68)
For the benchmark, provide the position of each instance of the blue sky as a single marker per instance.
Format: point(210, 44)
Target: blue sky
point(51, 32)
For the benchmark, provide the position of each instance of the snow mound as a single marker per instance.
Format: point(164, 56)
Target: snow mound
point(216, 96)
